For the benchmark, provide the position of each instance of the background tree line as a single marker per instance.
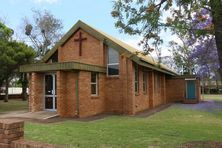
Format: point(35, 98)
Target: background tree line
point(43, 31)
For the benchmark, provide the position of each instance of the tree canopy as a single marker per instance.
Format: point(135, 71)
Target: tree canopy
point(12, 55)
point(44, 30)
point(149, 18)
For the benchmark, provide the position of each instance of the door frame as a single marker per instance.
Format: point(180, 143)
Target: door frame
point(195, 96)
point(54, 96)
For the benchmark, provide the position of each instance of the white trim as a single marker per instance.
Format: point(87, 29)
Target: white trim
point(110, 64)
point(94, 83)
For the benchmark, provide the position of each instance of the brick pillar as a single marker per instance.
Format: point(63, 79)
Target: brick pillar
point(61, 93)
point(36, 90)
point(10, 130)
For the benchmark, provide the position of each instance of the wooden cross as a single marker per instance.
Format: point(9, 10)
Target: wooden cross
point(80, 40)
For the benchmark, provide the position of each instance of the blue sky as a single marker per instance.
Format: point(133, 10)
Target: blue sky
point(94, 12)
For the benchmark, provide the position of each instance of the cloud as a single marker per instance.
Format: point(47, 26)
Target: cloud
point(46, 1)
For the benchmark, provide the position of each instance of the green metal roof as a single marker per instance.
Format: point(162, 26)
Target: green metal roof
point(118, 45)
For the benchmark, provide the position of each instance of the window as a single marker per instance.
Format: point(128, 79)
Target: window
point(136, 78)
point(157, 83)
point(53, 58)
point(113, 62)
point(94, 83)
point(145, 81)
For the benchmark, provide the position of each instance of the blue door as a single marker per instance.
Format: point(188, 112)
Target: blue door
point(191, 89)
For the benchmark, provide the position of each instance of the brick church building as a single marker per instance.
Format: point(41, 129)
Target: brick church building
point(89, 72)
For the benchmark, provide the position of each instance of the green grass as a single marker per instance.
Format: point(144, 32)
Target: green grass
point(12, 105)
point(169, 128)
point(212, 97)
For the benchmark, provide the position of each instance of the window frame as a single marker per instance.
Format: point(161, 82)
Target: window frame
point(158, 83)
point(95, 83)
point(145, 82)
point(111, 64)
point(136, 81)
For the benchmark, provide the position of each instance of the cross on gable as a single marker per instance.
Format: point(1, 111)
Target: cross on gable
point(80, 40)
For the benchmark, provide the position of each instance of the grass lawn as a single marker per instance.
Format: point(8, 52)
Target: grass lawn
point(169, 128)
point(12, 105)
point(212, 97)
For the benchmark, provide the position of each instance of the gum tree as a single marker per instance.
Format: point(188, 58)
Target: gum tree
point(44, 30)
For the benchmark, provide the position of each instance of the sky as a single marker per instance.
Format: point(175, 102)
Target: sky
point(93, 12)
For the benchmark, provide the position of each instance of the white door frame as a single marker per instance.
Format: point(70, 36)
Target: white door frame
point(54, 96)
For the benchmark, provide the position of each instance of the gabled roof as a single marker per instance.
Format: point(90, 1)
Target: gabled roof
point(116, 44)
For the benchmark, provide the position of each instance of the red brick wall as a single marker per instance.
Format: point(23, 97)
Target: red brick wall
point(175, 89)
point(66, 93)
point(36, 92)
point(155, 96)
point(92, 50)
point(90, 105)
point(126, 75)
point(159, 97)
point(141, 99)
point(119, 89)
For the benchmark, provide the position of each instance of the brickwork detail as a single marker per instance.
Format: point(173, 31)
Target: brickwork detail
point(10, 130)
point(92, 50)
point(66, 97)
point(12, 136)
point(176, 90)
point(36, 92)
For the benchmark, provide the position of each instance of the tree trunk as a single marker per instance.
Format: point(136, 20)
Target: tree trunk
point(216, 7)
point(6, 89)
point(24, 86)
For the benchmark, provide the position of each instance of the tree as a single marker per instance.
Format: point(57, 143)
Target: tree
point(12, 55)
point(206, 57)
point(5, 32)
point(181, 57)
point(145, 18)
point(44, 30)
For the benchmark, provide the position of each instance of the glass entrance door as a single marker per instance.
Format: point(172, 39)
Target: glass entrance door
point(50, 92)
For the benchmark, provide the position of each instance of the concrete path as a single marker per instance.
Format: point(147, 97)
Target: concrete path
point(41, 115)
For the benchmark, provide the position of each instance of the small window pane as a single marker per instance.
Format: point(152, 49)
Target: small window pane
point(113, 56)
point(136, 78)
point(113, 69)
point(93, 89)
point(145, 82)
point(136, 87)
point(93, 77)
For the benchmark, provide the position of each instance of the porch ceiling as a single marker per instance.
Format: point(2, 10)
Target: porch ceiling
point(41, 67)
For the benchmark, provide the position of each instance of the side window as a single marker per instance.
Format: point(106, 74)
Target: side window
point(157, 83)
point(136, 79)
point(145, 82)
point(94, 84)
point(113, 62)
